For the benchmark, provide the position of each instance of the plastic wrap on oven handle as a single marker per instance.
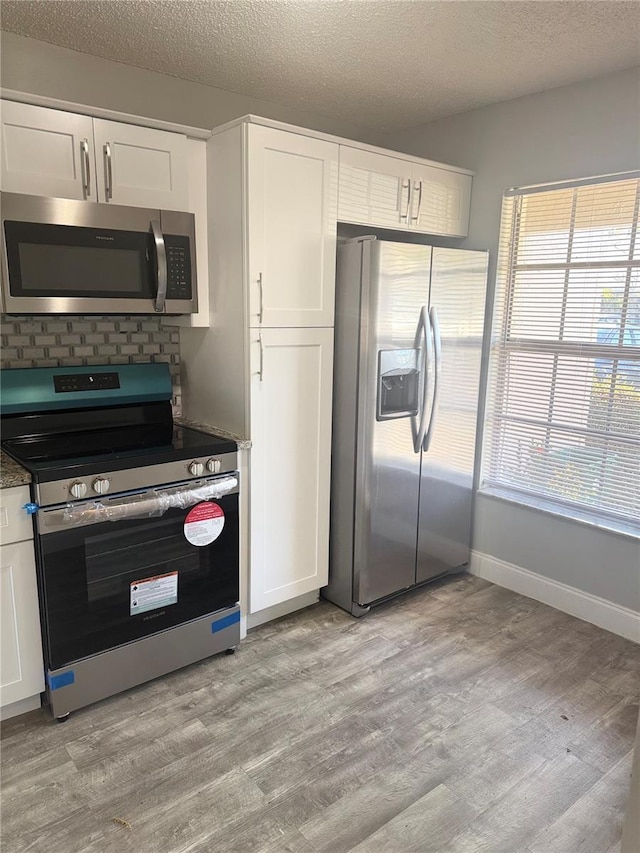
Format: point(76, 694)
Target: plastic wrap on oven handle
point(150, 504)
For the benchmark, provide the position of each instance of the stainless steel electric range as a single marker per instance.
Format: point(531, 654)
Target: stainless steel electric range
point(136, 527)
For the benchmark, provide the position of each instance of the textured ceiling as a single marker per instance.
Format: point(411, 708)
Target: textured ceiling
point(384, 64)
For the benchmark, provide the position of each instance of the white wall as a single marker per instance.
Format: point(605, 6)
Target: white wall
point(588, 128)
point(39, 68)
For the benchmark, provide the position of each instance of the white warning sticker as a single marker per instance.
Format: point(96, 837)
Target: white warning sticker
point(204, 523)
point(151, 593)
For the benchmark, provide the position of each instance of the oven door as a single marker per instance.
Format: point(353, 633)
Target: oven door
point(155, 564)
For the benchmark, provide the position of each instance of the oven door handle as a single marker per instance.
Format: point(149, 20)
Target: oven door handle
point(150, 504)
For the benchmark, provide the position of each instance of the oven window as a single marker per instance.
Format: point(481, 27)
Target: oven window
point(67, 260)
point(80, 269)
point(87, 576)
point(115, 560)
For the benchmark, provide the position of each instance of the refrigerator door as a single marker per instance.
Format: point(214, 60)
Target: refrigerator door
point(457, 299)
point(391, 392)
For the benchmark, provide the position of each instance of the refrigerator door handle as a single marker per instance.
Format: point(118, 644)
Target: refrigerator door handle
point(437, 343)
point(423, 332)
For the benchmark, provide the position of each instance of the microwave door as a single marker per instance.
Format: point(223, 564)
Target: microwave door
point(62, 256)
point(161, 266)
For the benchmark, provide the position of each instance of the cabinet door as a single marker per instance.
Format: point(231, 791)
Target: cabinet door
point(21, 666)
point(440, 201)
point(374, 188)
point(292, 191)
point(47, 152)
point(291, 388)
point(140, 166)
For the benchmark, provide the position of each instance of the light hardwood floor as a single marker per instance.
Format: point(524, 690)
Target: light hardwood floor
point(461, 717)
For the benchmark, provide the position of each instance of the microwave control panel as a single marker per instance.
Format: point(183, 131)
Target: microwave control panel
point(178, 267)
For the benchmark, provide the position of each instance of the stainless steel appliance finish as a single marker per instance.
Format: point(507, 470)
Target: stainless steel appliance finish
point(408, 338)
point(167, 265)
point(136, 523)
point(89, 680)
point(130, 479)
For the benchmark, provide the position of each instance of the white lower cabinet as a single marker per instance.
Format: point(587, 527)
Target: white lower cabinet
point(21, 665)
point(290, 405)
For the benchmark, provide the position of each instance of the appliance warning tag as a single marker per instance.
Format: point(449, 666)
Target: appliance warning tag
point(204, 523)
point(151, 593)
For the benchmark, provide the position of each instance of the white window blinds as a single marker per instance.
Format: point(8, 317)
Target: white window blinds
point(563, 404)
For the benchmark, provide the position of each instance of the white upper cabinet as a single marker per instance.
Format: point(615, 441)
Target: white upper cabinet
point(440, 201)
point(374, 189)
point(140, 166)
point(47, 152)
point(65, 155)
point(385, 191)
point(292, 192)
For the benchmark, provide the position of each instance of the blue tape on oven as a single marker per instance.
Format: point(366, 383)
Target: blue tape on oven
point(30, 508)
point(63, 679)
point(225, 622)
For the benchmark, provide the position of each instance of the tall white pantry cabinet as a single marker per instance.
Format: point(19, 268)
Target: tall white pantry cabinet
point(267, 361)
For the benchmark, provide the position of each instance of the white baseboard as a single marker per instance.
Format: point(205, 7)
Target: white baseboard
point(613, 617)
point(283, 609)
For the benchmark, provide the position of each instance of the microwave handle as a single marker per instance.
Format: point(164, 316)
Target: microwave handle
point(161, 263)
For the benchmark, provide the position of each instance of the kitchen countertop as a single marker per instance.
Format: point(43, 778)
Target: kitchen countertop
point(210, 429)
point(11, 473)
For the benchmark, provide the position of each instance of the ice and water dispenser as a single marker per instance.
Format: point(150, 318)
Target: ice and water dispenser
point(398, 383)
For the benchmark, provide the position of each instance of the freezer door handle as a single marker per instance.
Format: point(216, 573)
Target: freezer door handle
point(422, 342)
point(437, 344)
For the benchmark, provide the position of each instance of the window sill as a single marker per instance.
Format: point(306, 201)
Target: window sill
point(565, 513)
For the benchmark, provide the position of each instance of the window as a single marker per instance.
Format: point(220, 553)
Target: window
point(563, 406)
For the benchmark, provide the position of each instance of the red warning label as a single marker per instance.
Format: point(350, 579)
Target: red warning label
point(204, 523)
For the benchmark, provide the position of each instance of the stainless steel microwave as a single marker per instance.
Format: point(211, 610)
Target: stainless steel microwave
point(77, 257)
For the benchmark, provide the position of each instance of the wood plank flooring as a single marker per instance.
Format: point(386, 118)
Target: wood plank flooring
point(461, 717)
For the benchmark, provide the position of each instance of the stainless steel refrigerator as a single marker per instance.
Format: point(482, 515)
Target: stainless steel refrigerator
point(408, 340)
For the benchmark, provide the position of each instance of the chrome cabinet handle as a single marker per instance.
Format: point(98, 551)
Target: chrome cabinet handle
point(416, 218)
point(108, 174)
point(261, 305)
point(423, 332)
point(405, 215)
point(436, 388)
point(261, 371)
point(85, 167)
point(161, 264)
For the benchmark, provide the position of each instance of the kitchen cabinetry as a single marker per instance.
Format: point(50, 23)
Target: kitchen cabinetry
point(21, 664)
point(389, 192)
point(291, 390)
point(65, 155)
point(267, 364)
point(292, 185)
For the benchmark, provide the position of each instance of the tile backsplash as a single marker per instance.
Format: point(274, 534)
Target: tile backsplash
point(63, 340)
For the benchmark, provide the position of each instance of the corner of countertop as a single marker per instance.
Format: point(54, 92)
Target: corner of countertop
point(11, 473)
point(212, 429)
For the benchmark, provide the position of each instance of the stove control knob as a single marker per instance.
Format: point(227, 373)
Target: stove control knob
point(78, 489)
point(101, 485)
point(196, 468)
point(214, 466)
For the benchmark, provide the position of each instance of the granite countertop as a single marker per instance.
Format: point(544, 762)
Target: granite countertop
point(12, 474)
point(210, 429)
